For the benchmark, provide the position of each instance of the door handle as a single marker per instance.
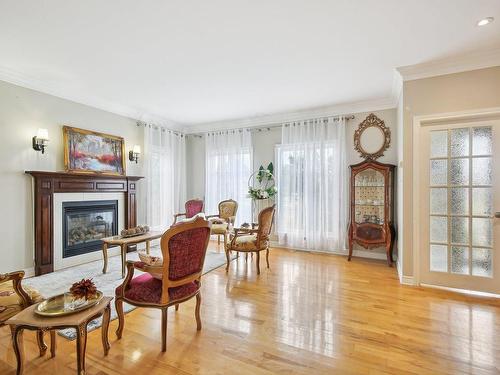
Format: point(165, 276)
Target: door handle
point(497, 214)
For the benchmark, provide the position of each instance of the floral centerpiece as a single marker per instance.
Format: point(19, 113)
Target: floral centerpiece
point(265, 188)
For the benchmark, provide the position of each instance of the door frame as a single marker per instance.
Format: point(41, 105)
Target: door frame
point(418, 123)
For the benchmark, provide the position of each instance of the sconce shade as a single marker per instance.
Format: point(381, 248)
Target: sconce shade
point(43, 134)
point(136, 149)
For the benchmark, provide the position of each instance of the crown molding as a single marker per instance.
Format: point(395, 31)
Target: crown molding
point(32, 83)
point(454, 64)
point(279, 118)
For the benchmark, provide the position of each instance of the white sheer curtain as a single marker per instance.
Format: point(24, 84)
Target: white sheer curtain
point(312, 185)
point(165, 174)
point(228, 165)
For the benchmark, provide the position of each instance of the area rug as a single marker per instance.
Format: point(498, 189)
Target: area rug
point(60, 281)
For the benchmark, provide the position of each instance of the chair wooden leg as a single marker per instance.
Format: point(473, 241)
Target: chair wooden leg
point(267, 257)
point(177, 307)
point(246, 257)
point(228, 259)
point(197, 311)
point(17, 342)
point(121, 317)
point(42, 347)
point(258, 263)
point(218, 239)
point(164, 321)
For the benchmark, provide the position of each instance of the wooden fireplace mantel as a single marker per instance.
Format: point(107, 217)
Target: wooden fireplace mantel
point(48, 183)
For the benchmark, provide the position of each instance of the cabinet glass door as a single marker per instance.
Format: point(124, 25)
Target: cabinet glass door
point(369, 197)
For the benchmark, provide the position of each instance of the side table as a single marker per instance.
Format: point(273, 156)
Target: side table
point(28, 319)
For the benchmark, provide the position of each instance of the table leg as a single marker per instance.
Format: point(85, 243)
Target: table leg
point(147, 247)
point(42, 347)
point(104, 329)
point(105, 255)
point(17, 342)
point(123, 249)
point(81, 345)
point(53, 343)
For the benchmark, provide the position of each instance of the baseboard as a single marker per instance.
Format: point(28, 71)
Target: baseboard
point(408, 280)
point(462, 291)
point(355, 253)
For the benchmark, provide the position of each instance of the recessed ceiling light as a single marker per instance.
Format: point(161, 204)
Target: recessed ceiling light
point(485, 21)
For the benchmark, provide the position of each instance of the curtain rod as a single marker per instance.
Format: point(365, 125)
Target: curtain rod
point(269, 127)
point(163, 128)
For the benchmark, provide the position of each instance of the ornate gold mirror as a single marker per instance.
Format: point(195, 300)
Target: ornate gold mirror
point(372, 138)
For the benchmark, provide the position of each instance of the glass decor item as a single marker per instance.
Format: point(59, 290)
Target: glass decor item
point(371, 213)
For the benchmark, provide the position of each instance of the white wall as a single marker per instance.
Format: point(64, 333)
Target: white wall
point(22, 112)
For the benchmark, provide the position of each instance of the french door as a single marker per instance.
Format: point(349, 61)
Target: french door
point(460, 204)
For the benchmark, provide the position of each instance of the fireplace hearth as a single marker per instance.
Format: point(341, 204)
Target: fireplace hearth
point(86, 223)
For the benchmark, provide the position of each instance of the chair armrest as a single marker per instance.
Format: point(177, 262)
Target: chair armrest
point(177, 215)
point(16, 278)
point(240, 232)
point(255, 225)
point(128, 277)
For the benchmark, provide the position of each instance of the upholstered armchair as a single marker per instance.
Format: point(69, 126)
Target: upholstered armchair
point(225, 217)
point(177, 280)
point(252, 240)
point(192, 208)
point(15, 298)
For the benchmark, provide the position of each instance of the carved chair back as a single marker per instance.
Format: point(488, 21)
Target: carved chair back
point(183, 247)
point(228, 209)
point(193, 207)
point(266, 219)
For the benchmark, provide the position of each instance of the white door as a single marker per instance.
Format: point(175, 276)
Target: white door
point(460, 195)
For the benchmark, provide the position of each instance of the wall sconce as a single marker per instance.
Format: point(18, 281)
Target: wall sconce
point(134, 154)
point(40, 140)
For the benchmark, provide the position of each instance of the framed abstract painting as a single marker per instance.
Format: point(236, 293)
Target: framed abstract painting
point(86, 151)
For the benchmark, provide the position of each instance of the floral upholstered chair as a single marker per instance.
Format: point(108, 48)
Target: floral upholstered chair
point(15, 298)
point(176, 280)
point(193, 207)
point(253, 240)
point(226, 216)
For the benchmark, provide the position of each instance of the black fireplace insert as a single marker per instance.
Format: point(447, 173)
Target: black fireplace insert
point(85, 223)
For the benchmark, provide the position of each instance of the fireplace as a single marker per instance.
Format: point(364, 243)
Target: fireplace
point(85, 223)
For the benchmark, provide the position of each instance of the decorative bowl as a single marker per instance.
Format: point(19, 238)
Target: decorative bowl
point(65, 304)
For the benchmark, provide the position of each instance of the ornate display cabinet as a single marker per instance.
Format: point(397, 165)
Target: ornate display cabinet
point(372, 206)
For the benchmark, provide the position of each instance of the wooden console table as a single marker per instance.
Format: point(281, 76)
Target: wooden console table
point(48, 183)
point(124, 243)
point(28, 319)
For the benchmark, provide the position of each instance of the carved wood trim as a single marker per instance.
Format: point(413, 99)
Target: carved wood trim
point(372, 121)
point(48, 183)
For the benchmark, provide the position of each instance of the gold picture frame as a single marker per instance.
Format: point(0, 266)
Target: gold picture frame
point(90, 152)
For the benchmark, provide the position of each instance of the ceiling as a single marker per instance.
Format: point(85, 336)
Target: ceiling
point(197, 62)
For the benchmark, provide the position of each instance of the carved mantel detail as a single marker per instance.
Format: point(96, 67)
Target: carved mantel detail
point(48, 183)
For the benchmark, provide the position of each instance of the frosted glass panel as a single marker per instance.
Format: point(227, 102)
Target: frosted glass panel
point(439, 229)
point(460, 230)
point(481, 141)
point(439, 172)
point(459, 172)
point(482, 232)
point(439, 258)
point(481, 201)
point(460, 142)
point(481, 171)
point(439, 201)
point(481, 262)
point(459, 201)
point(439, 144)
point(460, 260)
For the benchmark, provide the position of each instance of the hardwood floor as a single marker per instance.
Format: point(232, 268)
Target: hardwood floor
point(308, 314)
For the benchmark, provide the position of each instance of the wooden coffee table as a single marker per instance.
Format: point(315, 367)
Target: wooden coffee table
point(124, 243)
point(28, 319)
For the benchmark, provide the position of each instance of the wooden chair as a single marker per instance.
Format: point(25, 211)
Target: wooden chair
point(253, 240)
point(227, 214)
point(192, 208)
point(14, 298)
point(177, 280)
